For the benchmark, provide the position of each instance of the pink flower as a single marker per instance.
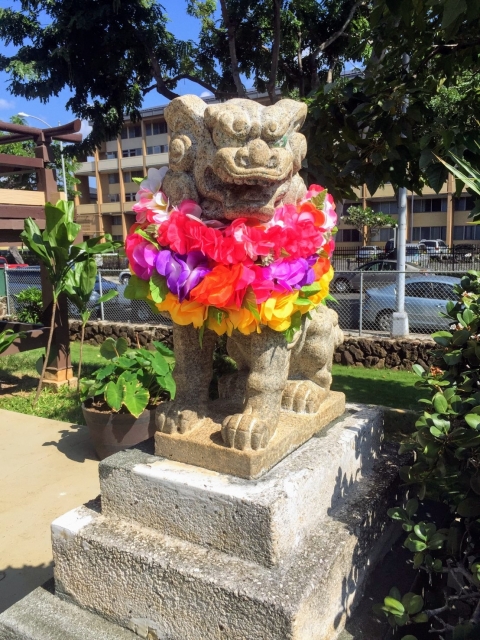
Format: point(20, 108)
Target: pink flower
point(313, 191)
point(141, 255)
point(330, 213)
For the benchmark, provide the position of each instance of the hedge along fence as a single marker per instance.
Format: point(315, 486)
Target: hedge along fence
point(378, 353)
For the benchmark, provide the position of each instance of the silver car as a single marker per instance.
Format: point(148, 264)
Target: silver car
point(376, 274)
point(425, 299)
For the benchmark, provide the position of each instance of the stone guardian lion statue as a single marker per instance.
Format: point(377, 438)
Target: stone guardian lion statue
point(241, 159)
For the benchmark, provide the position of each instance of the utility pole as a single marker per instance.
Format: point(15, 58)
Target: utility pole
point(400, 328)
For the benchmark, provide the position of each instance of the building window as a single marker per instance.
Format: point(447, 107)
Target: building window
point(389, 207)
point(113, 178)
point(429, 233)
point(135, 131)
point(113, 197)
point(112, 155)
point(130, 197)
point(131, 153)
point(464, 204)
point(128, 175)
point(348, 235)
point(426, 205)
point(155, 128)
point(117, 220)
point(467, 232)
point(387, 234)
point(158, 148)
point(118, 238)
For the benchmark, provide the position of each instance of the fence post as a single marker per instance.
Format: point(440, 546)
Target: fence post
point(7, 290)
point(100, 290)
point(360, 319)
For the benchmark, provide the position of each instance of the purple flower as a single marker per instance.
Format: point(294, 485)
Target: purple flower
point(143, 259)
point(291, 274)
point(183, 273)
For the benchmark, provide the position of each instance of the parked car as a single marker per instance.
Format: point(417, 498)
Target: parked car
point(435, 248)
point(124, 276)
point(376, 273)
point(425, 298)
point(22, 278)
point(367, 253)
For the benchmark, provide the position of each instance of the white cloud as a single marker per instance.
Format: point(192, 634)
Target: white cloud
point(206, 94)
point(85, 128)
point(6, 104)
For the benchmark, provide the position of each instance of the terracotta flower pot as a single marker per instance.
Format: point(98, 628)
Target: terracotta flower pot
point(112, 432)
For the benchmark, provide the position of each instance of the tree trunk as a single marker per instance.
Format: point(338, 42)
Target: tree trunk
point(233, 50)
point(47, 353)
point(277, 37)
point(79, 374)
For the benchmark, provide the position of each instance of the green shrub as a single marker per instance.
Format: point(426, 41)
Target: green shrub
point(30, 305)
point(446, 469)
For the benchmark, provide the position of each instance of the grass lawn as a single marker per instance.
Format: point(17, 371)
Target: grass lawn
point(378, 386)
point(19, 379)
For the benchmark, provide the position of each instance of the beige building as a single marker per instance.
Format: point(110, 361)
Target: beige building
point(140, 146)
point(145, 144)
point(431, 216)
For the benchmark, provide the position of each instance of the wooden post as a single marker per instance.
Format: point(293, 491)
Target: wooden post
point(59, 369)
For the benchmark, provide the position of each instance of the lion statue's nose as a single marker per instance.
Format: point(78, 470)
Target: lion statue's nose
point(259, 154)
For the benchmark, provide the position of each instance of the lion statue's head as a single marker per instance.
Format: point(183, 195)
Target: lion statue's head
point(237, 158)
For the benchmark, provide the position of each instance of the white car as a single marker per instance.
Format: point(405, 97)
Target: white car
point(368, 253)
point(435, 248)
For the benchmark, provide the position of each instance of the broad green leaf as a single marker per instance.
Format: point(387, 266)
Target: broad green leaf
point(473, 420)
point(442, 337)
point(135, 398)
point(137, 289)
point(250, 303)
point(439, 403)
point(413, 603)
point(107, 296)
point(114, 395)
point(103, 373)
point(394, 606)
point(309, 289)
point(108, 349)
point(158, 288)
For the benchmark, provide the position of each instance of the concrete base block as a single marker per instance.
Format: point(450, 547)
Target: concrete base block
point(264, 520)
point(165, 588)
point(56, 384)
point(203, 446)
point(42, 616)
point(400, 328)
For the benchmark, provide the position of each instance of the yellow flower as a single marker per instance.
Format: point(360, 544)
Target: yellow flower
point(183, 313)
point(276, 312)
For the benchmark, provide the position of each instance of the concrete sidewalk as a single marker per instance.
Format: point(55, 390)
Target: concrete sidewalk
point(47, 467)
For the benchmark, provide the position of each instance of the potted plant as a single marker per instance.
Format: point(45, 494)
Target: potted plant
point(120, 399)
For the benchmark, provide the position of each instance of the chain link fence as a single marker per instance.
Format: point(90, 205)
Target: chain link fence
point(364, 298)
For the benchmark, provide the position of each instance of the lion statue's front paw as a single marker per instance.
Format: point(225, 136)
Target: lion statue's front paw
point(302, 396)
point(175, 417)
point(246, 431)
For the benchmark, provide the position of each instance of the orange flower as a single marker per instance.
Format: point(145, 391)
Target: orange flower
point(319, 218)
point(224, 286)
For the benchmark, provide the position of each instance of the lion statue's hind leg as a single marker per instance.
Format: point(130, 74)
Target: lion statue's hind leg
point(311, 363)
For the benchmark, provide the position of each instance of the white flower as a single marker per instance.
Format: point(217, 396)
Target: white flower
point(152, 183)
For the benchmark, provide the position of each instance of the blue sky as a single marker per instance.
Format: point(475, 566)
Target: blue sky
point(181, 25)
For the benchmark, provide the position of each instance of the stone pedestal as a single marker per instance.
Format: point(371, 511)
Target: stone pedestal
point(178, 552)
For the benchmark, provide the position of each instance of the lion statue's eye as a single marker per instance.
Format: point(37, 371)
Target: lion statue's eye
point(274, 131)
point(240, 126)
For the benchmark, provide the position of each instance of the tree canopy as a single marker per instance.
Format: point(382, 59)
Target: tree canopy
point(110, 54)
point(389, 123)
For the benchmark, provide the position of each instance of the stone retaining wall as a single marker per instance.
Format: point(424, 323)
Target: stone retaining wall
point(378, 353)
point(384, 353)
point(135, 334)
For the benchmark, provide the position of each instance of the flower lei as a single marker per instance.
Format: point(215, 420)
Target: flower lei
point(242, 275)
